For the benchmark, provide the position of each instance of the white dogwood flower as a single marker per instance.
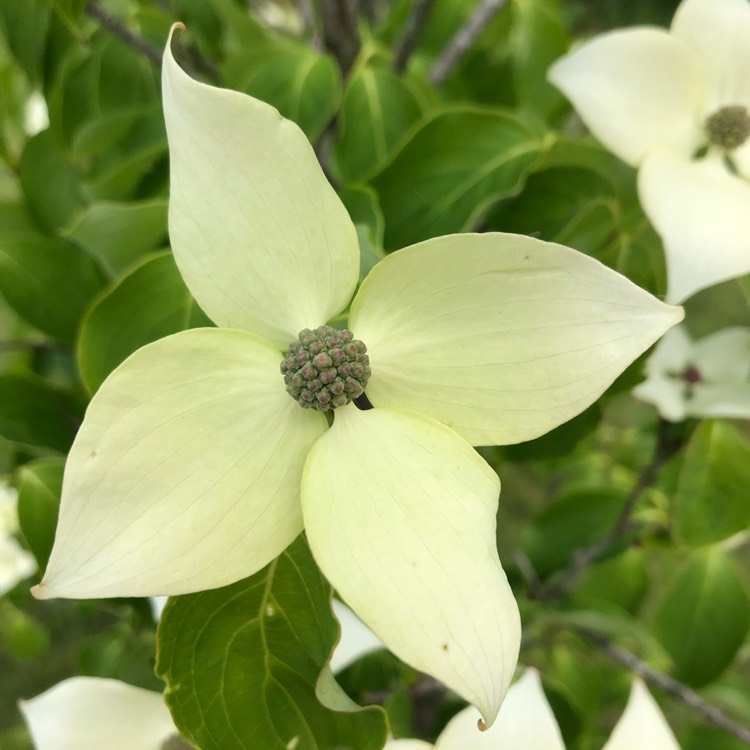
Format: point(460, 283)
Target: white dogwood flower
point(194, 468)
point(526, 722)
point(16, 563)
point(91, 713)
point(676, 104)
point(705, 378)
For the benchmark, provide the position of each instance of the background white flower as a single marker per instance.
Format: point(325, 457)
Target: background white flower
point(91, 713)
point(16, 563)
point(526, 722)
point(658, 99)
point(709, 377)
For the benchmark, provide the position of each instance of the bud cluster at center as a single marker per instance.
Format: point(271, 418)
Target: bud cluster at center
point(325, 368)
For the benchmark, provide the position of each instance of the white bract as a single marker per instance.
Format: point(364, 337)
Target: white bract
point(16, 563)
point(675, 104)
point(194, 468)
point(526, 722)
point(91, 713)
point(705, 378)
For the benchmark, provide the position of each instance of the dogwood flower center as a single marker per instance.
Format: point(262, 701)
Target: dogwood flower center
point(325, 368)
point(729, 127)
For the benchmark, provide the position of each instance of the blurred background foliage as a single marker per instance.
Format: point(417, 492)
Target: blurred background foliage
point(86, 277)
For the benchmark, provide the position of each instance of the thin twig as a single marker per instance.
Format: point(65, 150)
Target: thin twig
point(195, 62)
point(340, 32)
point(412, 31)
point(666, 447)
point(120, 30)
point(464, 38)
point(668, 684)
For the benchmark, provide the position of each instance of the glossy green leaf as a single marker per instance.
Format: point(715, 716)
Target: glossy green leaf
point(362, 204)
point(53, 189)
point(703, 618)
point(302, 84)
point(148, 303)
point(40, 484)
point(577, 519)
point(711, 501)
point(622, 581)
point(537, 39)
point(48, 281)
point(242, 664)
point(450, 172)
point(118, 234)
point(36, 414)
point(378, 109)
point(24, 27)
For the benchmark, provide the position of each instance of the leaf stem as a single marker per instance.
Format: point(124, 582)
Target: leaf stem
point(464, 38)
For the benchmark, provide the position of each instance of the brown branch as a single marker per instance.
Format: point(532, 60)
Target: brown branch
point(666, 446)
point(669, 685)
point(120, 30)
point(195, 62)
point(340, 32)
point(465, 37)
point(412, 31)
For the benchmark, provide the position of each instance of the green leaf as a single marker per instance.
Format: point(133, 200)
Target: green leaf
point(24, 25)
point(450, 172)
point(48, 281)
point(39, 488)
point(118, 234)
point(303, 85)
point(577, 519)
point(622, 581)
point(35, 414)
point(362, 204)
point(146, 304)
point(711, 502)
point(70, 11)
point(242, 664)
point(52, 187)
point(537, 39)
point(377, 110)
point(703, 617)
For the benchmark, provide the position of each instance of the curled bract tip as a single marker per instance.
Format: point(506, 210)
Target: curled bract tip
point(178, 25)
point(482, 725)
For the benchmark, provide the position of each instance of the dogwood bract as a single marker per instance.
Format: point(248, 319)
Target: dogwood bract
point(194, 468)
point(676, 104)
point(709, 377)
point(526, 722)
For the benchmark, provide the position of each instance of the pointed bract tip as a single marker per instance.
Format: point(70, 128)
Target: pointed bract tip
point(40, 591)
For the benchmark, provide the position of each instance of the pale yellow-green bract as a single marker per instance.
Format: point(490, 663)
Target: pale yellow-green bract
point(647, 94)
point(526, 722)
point(194, 468)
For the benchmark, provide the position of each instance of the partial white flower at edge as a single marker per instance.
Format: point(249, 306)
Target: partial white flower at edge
point(91, 713)
point(16, 563)
point(650, 95)
point(709, 377)
point(526, 722)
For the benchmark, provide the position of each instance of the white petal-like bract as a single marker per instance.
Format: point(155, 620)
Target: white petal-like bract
point(642, 725)
point(185, 474)
point(525, 722)
point(702, 213)
point(636, 90)
point(259, 235)
point(400, 516)
point(91, 713)
point(500, 337)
